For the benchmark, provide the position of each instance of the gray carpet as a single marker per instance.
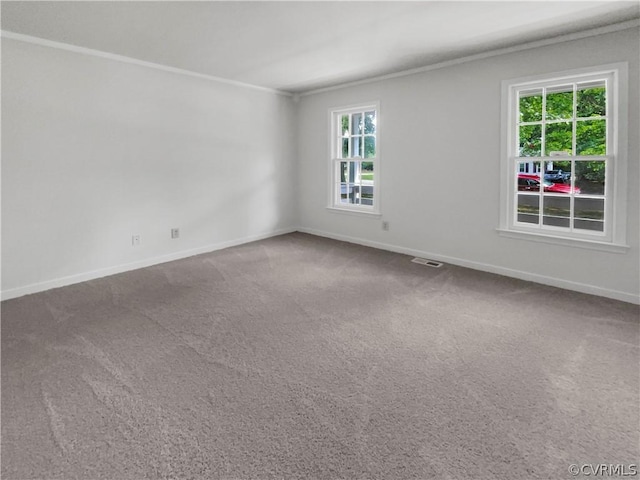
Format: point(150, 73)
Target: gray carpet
point(303, 357)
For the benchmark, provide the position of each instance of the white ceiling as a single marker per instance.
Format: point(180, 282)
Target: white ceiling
point(299, 46)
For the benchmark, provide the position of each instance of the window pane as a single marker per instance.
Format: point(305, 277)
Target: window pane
point(591, 100)
point(531, 106)
point(345, 148)
point(367, 173)
point(528, 176)
point(557, 176)
point(591, 137)
point(366, 183)
point(369, 146)
point(589, 208)
point(556, 211)
point(356, 124)
point(345, 125)
point(531, 168)
point(344, 171)
point(592, 225)
point(528, 183)
point(344, 193)
point(589, 213)
point(560, 102)
point(370, 122)
point(558, 138)
point(355, 172)
point(528, 208)
point(349, 193)
point(356, 146)
point(355, 193)
point(590, 177)
point(367, 195)
point(530, 140)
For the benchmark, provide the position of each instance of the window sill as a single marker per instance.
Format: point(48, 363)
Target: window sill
point(358, 213)
point(571, 242)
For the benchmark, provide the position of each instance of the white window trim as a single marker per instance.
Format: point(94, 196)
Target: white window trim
point(358, 210)
point(617, 182)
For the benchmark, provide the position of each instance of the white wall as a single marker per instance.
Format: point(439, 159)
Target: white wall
point(96, 150)
point(440, 159)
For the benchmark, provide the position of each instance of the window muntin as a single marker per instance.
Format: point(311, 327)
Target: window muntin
point(354, 158)
point(561, 158)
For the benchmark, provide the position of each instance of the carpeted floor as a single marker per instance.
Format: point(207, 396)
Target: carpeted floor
point(303, 357)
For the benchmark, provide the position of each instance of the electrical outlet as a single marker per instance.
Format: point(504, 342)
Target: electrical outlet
point(385, 225)
point(135, 240)
point(175, 233)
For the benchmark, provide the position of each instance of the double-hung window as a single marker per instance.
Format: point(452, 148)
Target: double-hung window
point(355, 159)
point(564, 162)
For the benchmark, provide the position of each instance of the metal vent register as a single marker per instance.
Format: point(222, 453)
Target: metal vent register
point(428, 263)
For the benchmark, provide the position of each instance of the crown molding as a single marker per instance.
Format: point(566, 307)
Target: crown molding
point(297, 95)
point(134, 61)
point(616, 27)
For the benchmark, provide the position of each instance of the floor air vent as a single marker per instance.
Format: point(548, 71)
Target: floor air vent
point(428, 263)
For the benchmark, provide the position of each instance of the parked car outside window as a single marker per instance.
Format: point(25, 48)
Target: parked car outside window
point(531, 183)
point(557, 176)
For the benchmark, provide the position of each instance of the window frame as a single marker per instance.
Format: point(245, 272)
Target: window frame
point(335, 137)
point(615, 195)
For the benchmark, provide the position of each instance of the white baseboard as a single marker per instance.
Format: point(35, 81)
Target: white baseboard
point(105, 272)
point(508, 272)
point(147, 262)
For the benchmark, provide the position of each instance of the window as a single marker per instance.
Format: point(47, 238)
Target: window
point(563, 157)
point(354, 159)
